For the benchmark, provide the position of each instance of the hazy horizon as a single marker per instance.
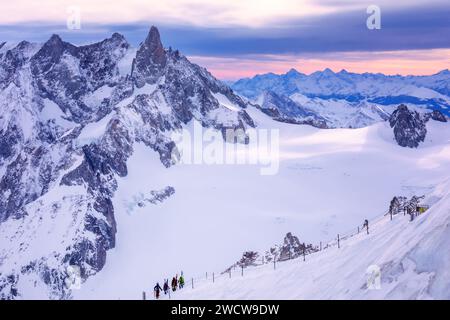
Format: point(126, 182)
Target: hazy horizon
point(236, 40)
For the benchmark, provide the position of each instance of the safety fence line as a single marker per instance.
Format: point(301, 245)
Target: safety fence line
point(192, 282)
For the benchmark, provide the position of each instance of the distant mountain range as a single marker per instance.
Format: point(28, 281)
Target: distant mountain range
point(343, 99)
point(71, 116)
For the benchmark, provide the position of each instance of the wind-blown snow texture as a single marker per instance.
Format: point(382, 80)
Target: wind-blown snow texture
point(345, 99)
point(87, 178)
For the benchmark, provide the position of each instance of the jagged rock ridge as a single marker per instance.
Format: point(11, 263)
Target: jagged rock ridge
point(291, 248)
point(58, 174)
point(409, 127)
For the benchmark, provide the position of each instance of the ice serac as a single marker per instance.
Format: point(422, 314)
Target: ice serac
point(190, 91)
point(70, 120)
point(409, 127)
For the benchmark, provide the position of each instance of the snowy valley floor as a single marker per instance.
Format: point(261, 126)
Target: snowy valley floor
point(329, 181)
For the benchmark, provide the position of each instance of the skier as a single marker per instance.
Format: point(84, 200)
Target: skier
point(166, 286)
point(174, 283)
point(156, 290)
point(181, 282)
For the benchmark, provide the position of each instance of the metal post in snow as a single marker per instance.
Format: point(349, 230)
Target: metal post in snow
point(304, 256)
point(339, 244)
point(242, 270)
point(213, 277)
point(390, 214)
point(143, 296)
point(206, 275)
point(320, 245)
point(192, 281)
point(274, 263)
point(230, 272)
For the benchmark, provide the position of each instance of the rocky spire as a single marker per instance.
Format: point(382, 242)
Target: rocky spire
point(150, 59)
point(409, 127)
point(154, 47)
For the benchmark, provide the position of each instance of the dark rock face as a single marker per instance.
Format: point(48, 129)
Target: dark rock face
point(409, 127)
point(283, 109)
point(67, 74)
point(8, 287)
point(291, 248)
point(49, 175)
point(161, 195)
point(150, 59)
point(436, 115)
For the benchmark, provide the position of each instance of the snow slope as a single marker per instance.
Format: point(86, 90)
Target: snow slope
point(413, 258)
point(329, 181)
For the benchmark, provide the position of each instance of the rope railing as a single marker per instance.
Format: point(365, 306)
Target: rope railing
point(241, 271)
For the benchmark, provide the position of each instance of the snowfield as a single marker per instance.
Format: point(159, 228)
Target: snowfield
point(328, 182)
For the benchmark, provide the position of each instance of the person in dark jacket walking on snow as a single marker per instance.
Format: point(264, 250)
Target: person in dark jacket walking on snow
point(166, 286)
point(366, 225)
point(174, 283)
point(157, 289)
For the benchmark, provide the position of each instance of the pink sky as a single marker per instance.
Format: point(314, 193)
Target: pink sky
point(417, 62)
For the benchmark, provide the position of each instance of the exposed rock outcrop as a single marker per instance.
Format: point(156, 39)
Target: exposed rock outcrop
point(409, 127)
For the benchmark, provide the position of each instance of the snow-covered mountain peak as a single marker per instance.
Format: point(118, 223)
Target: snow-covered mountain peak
point(445, 72)
point(294, 73)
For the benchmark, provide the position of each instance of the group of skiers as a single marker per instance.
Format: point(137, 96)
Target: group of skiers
point(177, 283)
